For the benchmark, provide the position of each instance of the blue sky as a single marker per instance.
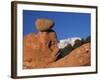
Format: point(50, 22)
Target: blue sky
point(67, 24)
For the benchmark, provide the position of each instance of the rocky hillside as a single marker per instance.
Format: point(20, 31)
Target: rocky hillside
point(78, 57)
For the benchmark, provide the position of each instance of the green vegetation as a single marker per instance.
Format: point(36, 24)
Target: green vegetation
point(65, 51)
point(77, 43)
point(88, 39)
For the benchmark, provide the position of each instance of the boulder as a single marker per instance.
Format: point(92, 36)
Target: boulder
point(44, 24)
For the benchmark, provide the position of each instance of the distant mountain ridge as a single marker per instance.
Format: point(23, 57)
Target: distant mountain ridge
point(63, 43)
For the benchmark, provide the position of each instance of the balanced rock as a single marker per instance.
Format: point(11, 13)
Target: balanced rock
point(43, 24)
point(40, 49)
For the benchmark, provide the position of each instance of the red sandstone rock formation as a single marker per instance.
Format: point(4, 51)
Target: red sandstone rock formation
point(40, 50)
point(78, 57)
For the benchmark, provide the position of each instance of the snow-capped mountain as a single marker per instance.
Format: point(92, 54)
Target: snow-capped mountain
point(63, 43)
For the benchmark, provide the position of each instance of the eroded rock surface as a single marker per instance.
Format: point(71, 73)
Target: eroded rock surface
point(78, 57)
point(40, 50)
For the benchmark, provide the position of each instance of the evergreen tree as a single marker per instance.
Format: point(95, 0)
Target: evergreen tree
point(77, 43)
point(82, 41)
point(65, 51)
point(88, 39)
